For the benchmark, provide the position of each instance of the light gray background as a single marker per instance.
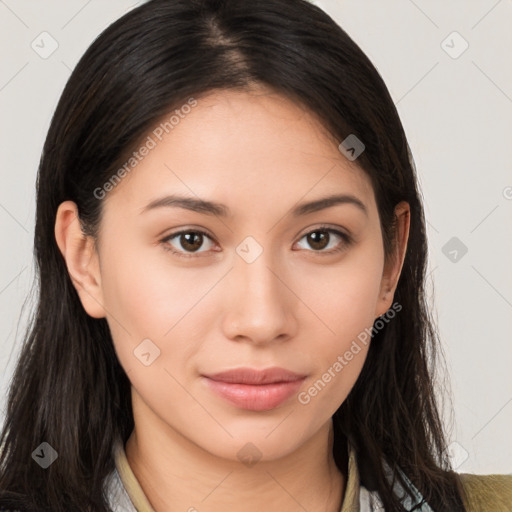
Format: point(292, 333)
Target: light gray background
point(456, 113)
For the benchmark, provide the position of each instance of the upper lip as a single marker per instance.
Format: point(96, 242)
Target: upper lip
point(252, 376)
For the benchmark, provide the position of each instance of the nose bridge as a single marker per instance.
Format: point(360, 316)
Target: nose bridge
point(255, 270)
point(260, 303)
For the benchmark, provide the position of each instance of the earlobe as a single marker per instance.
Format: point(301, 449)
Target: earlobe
point(81, 258)
point(393, 267)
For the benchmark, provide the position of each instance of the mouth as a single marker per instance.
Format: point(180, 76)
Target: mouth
point(255, 390)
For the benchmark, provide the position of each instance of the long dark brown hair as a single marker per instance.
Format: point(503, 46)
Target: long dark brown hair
point(68, 388)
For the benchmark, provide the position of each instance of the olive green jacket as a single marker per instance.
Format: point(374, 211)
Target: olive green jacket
point(488, 493)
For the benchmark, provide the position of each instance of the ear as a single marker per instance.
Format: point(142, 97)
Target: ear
point(81, 258)
point(393, 266)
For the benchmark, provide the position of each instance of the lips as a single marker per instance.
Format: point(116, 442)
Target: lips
point(256, 390)
point(251, 376)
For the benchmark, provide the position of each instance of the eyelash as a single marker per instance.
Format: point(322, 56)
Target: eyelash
point(346, 239)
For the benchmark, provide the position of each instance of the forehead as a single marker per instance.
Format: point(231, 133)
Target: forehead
point(244, 149)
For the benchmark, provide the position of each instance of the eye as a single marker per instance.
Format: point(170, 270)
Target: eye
point(186, 243)
point(187, 240)
point(321, 238)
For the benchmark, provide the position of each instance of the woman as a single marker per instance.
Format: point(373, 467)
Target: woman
point(231, 253)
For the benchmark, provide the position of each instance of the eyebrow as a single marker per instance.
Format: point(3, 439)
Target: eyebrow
point(213, 208)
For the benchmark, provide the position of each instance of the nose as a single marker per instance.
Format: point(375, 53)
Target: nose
point(260, 307)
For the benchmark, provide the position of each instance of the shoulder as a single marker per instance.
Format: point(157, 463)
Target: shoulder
point(487, 492)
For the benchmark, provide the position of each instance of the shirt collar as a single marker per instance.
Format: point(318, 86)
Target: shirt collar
point(141, 504)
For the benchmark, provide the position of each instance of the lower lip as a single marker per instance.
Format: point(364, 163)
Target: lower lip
point(262, 397)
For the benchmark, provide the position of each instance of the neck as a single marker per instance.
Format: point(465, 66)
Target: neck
point(177, 475)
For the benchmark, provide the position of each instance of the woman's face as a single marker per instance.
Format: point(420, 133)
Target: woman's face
point(267, 285)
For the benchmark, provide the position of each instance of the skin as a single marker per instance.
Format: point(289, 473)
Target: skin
point(293, 307)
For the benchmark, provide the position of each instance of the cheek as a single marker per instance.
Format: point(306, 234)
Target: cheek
point(148, 298)
point(344, 302)
point(343, 297)
point(338, 357)
point(135, 293)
